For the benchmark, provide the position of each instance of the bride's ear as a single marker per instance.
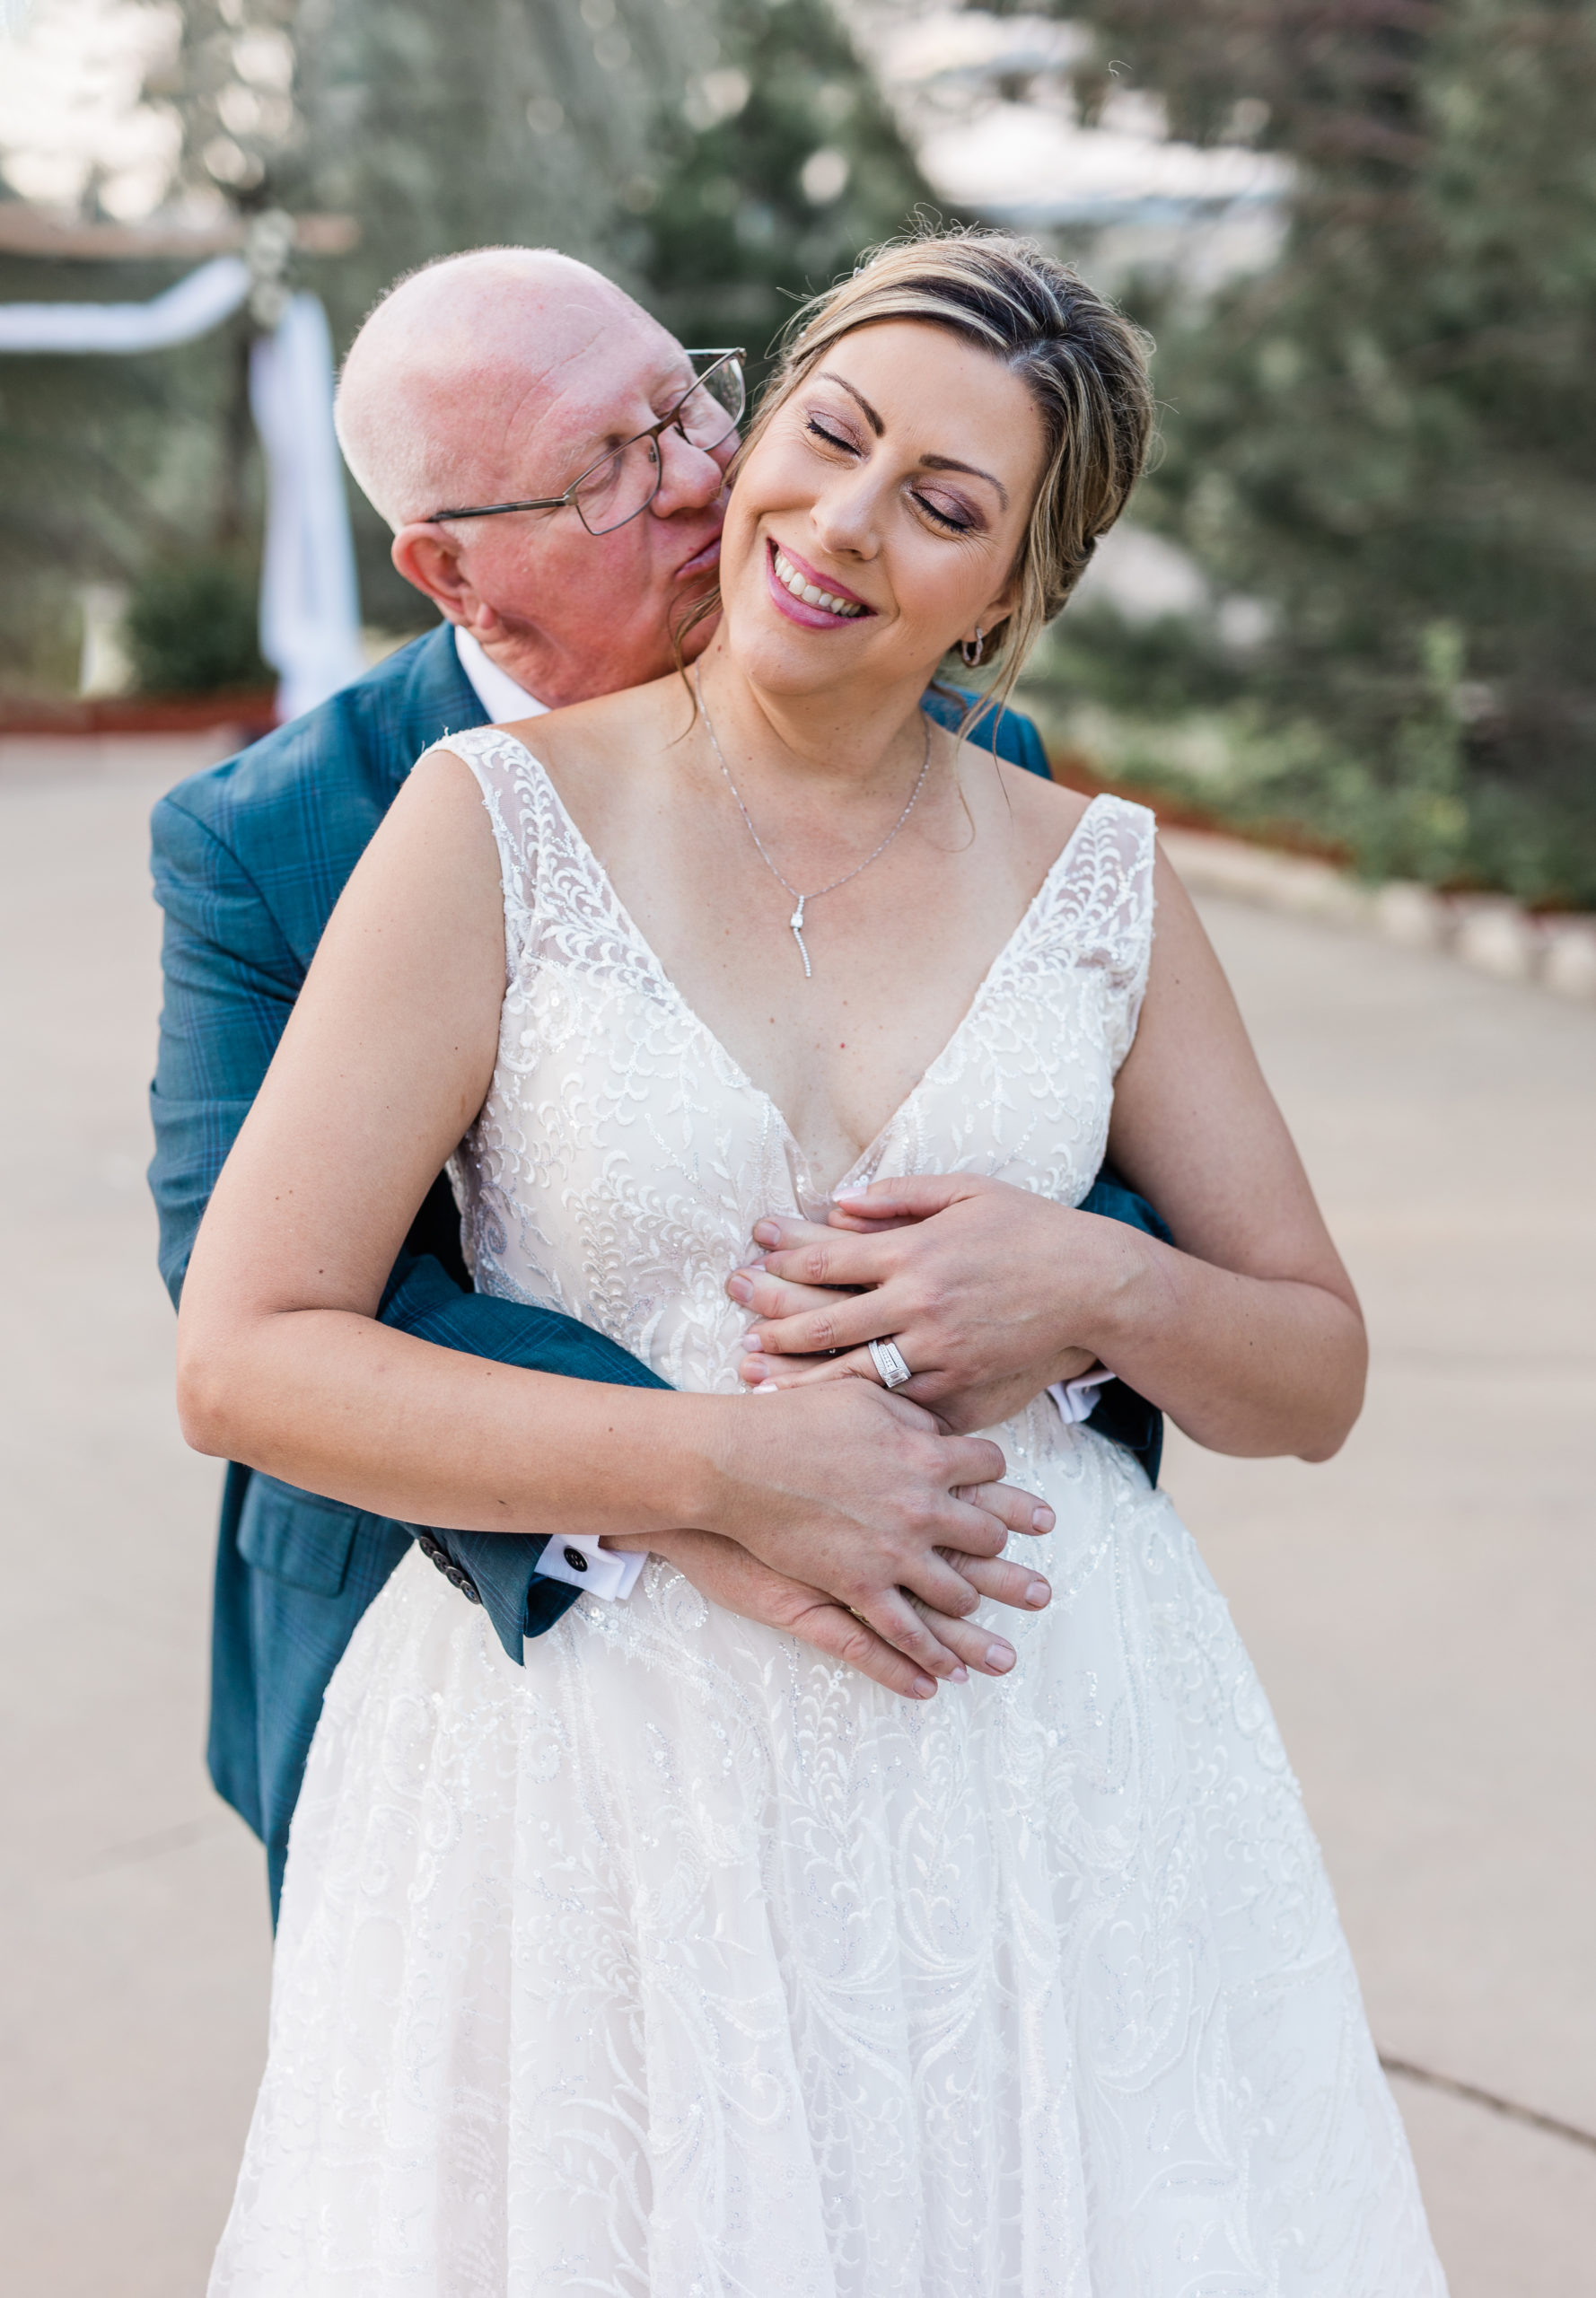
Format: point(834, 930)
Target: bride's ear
point(987, 629)
point(982, 639)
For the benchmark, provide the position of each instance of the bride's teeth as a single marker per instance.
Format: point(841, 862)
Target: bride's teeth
point(811, 592)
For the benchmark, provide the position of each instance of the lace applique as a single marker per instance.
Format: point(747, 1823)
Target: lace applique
point(681, 1964)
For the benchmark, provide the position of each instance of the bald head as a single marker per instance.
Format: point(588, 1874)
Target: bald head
point(445, 383)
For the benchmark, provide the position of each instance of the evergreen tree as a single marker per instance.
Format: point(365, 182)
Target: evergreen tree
point(1388, 437)
point(779, 167)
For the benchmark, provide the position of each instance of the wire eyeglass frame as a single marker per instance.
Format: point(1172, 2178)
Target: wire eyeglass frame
point(729, 361)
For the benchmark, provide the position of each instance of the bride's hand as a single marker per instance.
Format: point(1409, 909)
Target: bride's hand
point(866, 1497)
point(975, 1281)
point(725, 1572)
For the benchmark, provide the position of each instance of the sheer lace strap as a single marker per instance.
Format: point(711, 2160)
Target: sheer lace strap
point(1103, 913)
point(515, 791)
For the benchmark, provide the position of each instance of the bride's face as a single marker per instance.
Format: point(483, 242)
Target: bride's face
point(896, 482)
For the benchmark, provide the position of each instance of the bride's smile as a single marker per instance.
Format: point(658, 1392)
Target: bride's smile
point(882, 507)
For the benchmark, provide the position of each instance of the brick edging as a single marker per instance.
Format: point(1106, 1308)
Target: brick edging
point(1487, 931)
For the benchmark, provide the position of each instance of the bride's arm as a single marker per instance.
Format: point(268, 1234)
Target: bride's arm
point(282, 1365)
point(1248, 1335)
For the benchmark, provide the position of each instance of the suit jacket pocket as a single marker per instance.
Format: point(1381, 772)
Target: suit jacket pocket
point(296, 1535)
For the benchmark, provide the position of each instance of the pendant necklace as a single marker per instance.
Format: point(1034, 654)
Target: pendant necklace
point(795, 923)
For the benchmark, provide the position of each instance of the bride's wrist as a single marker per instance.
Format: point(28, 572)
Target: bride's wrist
point(700, 1475)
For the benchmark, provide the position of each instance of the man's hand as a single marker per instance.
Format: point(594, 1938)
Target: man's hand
point(728, 1575)
point(991, 1293)
point(866, 1497)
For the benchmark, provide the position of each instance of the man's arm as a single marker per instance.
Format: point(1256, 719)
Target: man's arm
point(231, 981)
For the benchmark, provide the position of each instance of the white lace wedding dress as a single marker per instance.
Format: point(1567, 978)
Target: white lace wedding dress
point(681, 1964)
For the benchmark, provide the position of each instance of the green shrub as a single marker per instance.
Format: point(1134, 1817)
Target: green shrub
point(191, 627)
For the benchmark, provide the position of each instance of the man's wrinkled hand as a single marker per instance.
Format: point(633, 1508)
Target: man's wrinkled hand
point(990, 1293)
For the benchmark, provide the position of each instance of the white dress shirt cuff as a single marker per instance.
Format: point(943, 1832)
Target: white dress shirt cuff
point(1078, 1399)
point(581, 1563)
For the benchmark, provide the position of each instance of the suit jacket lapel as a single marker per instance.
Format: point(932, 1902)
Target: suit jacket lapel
point(437, 698)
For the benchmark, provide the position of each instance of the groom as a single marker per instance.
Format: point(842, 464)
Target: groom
point(485, 380)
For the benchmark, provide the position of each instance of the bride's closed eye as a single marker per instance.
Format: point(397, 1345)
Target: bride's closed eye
point(819, 428)
point(948, 520)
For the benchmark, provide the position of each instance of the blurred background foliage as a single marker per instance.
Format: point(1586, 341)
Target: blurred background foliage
point(1379, 444)
point(720, 158)
point(1382, 444)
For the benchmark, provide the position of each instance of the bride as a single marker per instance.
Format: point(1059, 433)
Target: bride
point(682, 1962)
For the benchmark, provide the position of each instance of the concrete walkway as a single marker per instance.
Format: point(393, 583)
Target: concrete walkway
point(1423, 1610)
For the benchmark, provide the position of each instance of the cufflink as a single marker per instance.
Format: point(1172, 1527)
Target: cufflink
point(581, 1563)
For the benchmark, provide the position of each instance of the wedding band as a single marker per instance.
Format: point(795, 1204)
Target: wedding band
point(888, 1359)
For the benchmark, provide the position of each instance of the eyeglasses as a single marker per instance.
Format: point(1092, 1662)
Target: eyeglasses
point(621, 485)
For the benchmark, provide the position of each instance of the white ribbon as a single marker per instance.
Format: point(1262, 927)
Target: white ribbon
point(193, 307)
point(310, 610)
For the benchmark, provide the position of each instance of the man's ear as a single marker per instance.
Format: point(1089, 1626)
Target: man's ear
point(429, 560)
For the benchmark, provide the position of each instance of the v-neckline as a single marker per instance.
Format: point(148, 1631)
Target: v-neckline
point(627, 926)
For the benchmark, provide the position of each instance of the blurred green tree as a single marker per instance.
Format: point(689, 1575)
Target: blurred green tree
point(778, 167)
point(1389, 437)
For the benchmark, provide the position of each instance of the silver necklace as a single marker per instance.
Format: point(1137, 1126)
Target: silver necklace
point(795, 923)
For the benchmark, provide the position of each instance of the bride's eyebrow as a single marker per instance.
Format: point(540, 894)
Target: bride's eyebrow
point(871, 417)
point(931, 462)
point(946, 462)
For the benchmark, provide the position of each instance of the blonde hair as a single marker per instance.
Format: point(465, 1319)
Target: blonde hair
point(1083, 360)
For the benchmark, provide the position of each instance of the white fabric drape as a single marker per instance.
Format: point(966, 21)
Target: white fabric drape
point(310, 612)
point(309, 609)
point(193, 307)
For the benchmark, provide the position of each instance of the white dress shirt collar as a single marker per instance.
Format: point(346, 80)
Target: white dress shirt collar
point(495, 689)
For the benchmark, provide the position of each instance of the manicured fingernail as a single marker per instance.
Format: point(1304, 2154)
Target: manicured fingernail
point(1036, 1594)
point(766, 1233)
point(841, 1195)
point(1001, 1657)
point(740, 1288)
point(959, 1676)
point(1042, 1520)
point(763, 1388)
point(924, 1687)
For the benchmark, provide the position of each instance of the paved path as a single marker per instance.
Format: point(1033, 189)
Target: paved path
point(1423, 1610)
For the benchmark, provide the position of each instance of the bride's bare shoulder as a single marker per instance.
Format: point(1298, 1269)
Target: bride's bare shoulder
point(588, 737)
point(1042, 812)
point(592, 749)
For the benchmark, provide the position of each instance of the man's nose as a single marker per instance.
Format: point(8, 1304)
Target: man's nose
point(690, 477)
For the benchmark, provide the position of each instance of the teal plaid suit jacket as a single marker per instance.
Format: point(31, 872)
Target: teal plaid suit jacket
point(248, 860)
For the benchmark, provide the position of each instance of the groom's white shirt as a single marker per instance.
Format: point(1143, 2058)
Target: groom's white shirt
point(494, 688)
point(578, 1561)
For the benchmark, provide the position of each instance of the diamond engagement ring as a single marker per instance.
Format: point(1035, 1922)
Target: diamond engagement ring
point(888, 1359)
